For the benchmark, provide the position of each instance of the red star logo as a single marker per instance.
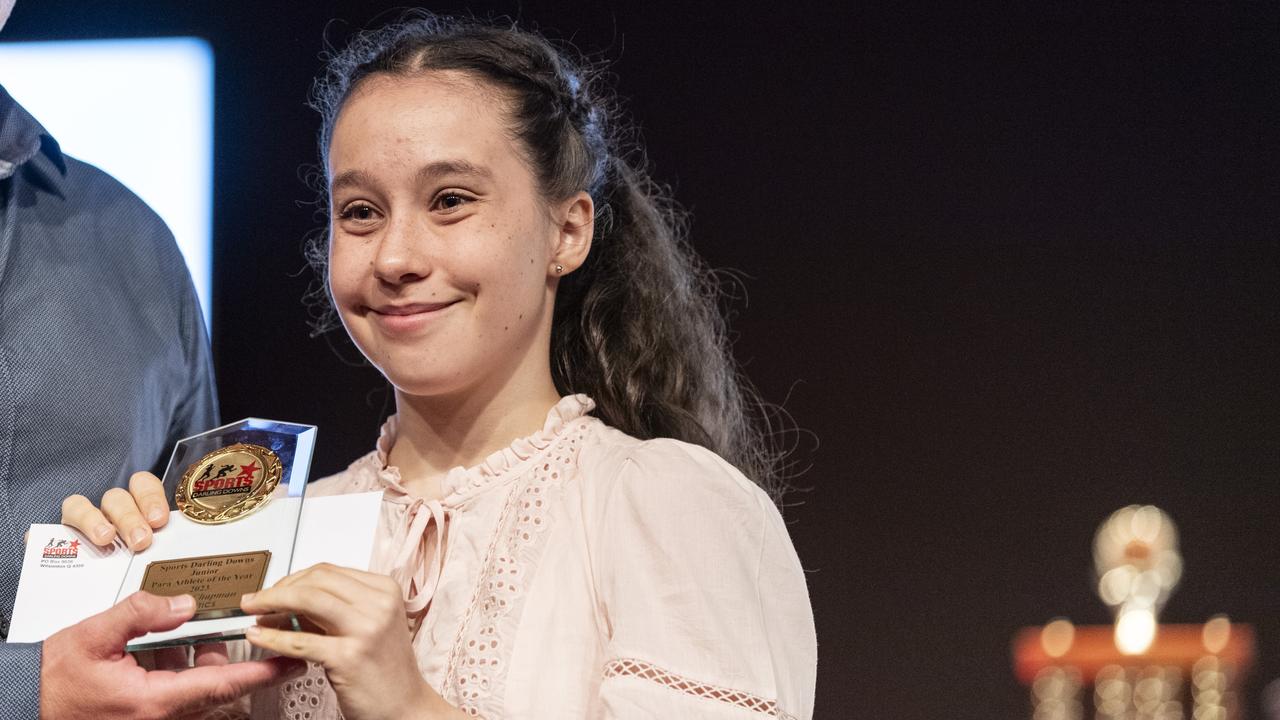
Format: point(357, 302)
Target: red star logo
point(75, 544)
point(249, 469)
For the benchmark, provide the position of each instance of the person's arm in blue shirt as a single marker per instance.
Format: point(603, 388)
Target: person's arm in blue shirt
point(20, 678)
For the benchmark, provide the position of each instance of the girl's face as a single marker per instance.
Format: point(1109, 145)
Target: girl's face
point(441, 248)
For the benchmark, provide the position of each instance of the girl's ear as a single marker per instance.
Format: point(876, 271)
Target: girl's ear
point(577, 221)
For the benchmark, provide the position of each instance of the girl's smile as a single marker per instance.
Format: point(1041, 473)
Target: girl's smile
point(408, 318)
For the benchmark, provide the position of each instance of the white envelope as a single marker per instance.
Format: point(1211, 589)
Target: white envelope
point(66, 578)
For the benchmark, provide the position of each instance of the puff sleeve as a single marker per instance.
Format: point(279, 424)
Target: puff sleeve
point(703, 598)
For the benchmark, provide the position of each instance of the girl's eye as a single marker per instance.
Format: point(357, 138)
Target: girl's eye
point(450, 201)
point(358, 212)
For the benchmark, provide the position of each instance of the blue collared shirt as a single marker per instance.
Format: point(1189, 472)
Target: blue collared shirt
point(104, 360)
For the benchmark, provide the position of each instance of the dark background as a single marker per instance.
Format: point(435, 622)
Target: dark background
point(1015, 268)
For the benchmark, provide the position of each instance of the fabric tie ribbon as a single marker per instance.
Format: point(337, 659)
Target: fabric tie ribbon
point(418, 579)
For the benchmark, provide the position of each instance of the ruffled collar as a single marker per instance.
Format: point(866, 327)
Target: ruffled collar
point(464, 481)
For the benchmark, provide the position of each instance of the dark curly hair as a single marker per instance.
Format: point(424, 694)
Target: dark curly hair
point(639, 326)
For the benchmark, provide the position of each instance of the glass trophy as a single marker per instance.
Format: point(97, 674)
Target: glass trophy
point(238, 490)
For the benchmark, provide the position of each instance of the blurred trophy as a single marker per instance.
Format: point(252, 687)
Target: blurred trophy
point(1136, 668)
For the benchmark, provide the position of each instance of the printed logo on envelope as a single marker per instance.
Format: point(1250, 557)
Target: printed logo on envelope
point(62, 548)
point(61, 553)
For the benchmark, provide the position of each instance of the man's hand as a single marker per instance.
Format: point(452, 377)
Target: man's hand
point(133, 514)
point(86, 673)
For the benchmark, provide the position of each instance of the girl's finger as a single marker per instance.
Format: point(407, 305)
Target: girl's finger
point(276, 621)
point(331, 612)
point(360, 591)
point(149, 495)
point(122, 511)
point(82, 515)
point(284, 621)
point(303, 645)
point(372, 581)
point(324, 574)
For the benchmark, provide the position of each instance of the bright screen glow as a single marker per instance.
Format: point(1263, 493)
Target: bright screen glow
point(142, 110)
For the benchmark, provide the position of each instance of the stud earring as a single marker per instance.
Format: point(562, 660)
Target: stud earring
point(559, 269)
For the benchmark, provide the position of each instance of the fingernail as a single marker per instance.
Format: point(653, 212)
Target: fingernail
point(137, 536)
point(252, 632)
point(247, 598)
point(182, 604)
point(155, 514)
point(103, 532)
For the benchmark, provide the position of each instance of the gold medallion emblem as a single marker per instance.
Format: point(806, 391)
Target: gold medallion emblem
point(228, 483)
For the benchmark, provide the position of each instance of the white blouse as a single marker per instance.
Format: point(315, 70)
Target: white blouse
point(588, 574)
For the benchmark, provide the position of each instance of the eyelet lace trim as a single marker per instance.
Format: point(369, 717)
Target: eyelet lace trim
point(477, 667)
point(628, 667)
point(308, 697)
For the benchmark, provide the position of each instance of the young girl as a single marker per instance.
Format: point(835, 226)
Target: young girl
point(567, 530)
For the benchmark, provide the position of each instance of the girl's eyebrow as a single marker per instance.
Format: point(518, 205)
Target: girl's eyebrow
point(349, 178)
point(430, 171)
point(436, 169)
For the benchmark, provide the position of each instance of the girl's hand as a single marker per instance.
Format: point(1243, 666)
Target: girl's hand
point(133, 513)
point(360, 635)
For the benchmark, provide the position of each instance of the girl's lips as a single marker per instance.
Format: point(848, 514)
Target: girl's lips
point(410, 308)
point(407, 317)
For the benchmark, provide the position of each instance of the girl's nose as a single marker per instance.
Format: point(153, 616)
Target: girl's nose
point(403, 254)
